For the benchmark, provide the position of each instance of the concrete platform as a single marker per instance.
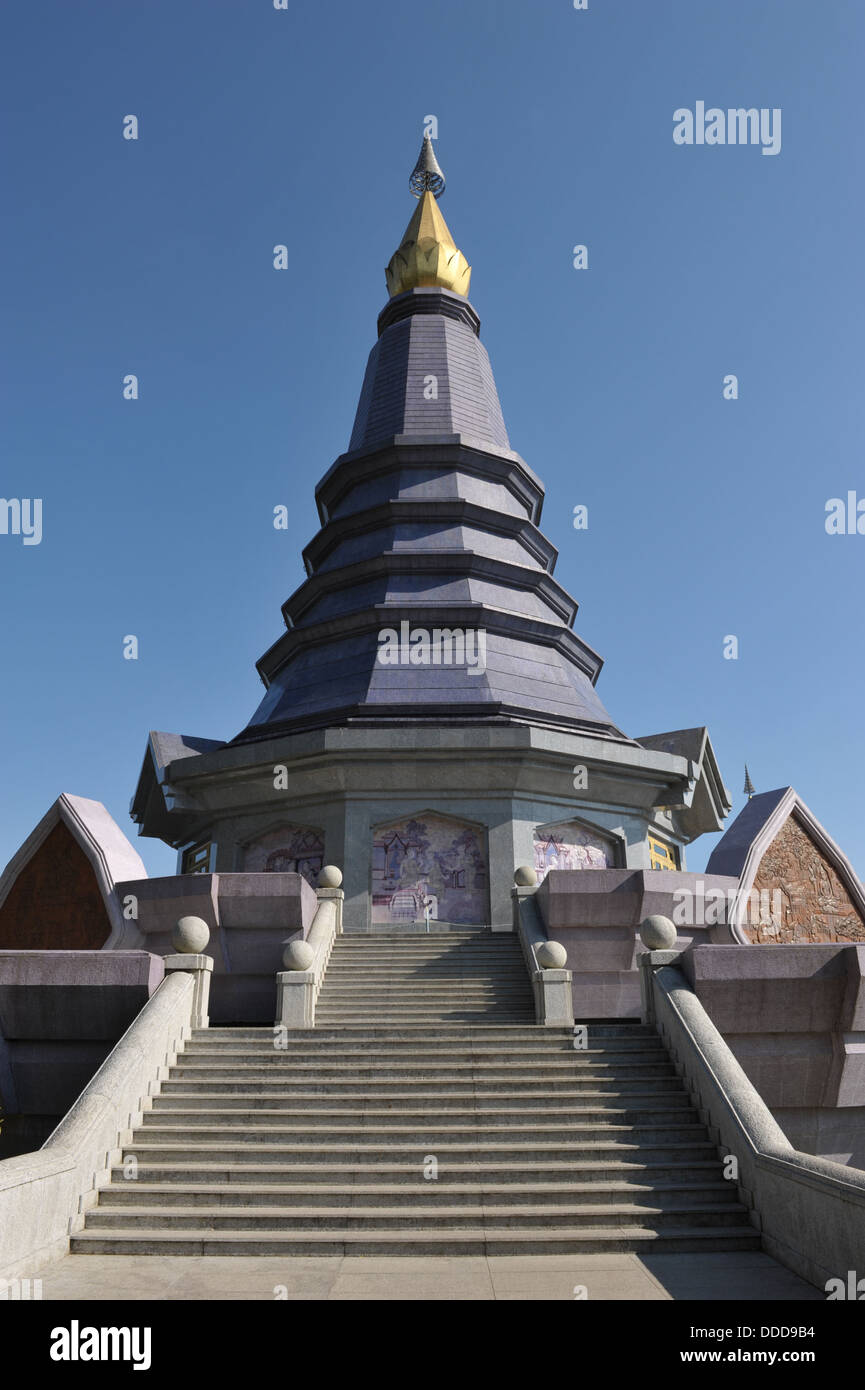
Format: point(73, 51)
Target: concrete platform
point(731, 1277)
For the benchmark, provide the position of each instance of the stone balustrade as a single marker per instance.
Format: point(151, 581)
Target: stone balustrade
point(299, 985)
point(44, 1195)
point(810, 1211)
point(545, 959)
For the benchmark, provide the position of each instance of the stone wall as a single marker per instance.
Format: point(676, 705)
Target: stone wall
point(596, 915)
point(250, 917)
point(61, 1012)
point(795, 1021)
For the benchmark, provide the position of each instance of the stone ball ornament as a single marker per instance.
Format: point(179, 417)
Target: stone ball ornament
point(551, 955)
point(525, 876)
point(330, 877)
point(658, 933)
point(297, 955)
point(190, 936)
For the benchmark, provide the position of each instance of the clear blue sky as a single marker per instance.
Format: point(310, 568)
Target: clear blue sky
point(260, 127)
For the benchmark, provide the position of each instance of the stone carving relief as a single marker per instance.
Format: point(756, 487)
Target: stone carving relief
point(814, 904)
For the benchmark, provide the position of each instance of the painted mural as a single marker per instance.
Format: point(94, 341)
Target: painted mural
point(292, 849)
point(433, 864)
point(571, 847)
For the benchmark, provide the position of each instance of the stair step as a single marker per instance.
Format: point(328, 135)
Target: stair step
point(264, 1129)
point(283, 1120)
point(607, 1169)
point(333, 1151)
point(684, 1239)
point(455, 1071)
point(336, 1195)
point(446, 1032)
point(419, 1219)
point(232, 1110)
point(417, 1053)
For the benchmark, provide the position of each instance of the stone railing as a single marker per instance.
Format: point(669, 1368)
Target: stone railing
point(44, 1195)
point(810, 1211)
point(545, 959)
point(299, 985)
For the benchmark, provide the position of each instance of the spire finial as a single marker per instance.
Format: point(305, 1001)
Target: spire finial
point(749, 787)
point(426, 176)
point(428, 255)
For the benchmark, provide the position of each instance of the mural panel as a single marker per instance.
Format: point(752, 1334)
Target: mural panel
point(429, 861)
point(572, 847)
point(292, 849)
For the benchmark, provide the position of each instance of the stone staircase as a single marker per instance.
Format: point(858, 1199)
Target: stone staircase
point(424, 1060)
point(440, 977)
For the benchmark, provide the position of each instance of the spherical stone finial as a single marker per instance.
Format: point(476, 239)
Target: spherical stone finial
point(190, 936)
point(525, 876)
point(297, 955)
point(329, 877)
point(551, 955)
point(658, 933)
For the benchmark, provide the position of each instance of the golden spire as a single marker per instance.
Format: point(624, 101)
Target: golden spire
point(428, 255)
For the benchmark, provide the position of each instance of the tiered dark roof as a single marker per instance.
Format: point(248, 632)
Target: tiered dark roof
point(429, 518)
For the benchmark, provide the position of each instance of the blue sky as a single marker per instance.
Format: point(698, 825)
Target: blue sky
point(257, 127)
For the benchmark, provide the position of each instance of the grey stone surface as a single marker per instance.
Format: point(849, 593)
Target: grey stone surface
point(62, 995)
point(551, 955)
point(657, 933)
point(43, 1194)
point(330, 877)
point(190, 936)
point(596, 915)
point(249, 916)
point(811, 1212)
point(298, 955)
point(747, 1276)
point(60, 1014)
point(794, 1017)
point(509, 780)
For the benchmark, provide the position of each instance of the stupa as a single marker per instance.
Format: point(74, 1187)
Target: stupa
point(431, 717)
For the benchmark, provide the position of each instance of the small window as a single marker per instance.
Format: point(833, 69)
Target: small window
point(662, 855)
point(196, 859)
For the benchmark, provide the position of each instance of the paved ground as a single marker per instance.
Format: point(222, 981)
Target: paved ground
point(749, 1275)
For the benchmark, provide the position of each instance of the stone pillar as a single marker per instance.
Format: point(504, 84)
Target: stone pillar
point(658, 935)
point(306, 961)
point(190, 937)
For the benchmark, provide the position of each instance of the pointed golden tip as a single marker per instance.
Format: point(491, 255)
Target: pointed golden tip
point(428, 255)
